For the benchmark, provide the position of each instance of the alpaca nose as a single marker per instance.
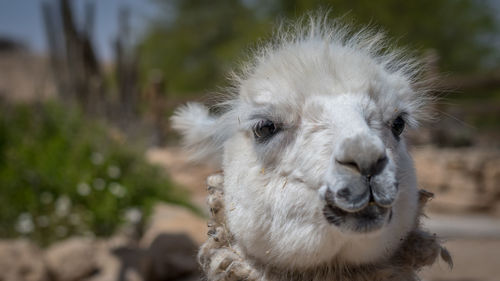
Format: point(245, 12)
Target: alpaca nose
point(362, 153)
point(361, 173)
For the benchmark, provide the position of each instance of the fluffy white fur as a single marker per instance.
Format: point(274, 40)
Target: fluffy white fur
point(327, 87)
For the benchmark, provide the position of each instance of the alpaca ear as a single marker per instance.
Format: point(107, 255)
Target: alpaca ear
point(202, 135)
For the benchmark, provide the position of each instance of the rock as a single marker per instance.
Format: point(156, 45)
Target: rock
point(21, 260)
point(463, 179)
point(170, 257)
point(135, 263)
point(173, 257)
point(119, 259)
point(174, 219)
point(109, 265)
point(492, 178)
point(72, 259)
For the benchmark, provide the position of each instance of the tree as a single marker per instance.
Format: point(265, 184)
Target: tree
point(196, 42)
point(199, 43)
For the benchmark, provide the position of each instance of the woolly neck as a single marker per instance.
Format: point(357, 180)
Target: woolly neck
point(223, 260)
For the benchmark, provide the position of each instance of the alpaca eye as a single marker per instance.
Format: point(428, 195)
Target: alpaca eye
point(398, 125)
point(264, 130)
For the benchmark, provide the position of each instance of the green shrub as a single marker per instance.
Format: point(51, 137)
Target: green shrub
point(63, 175)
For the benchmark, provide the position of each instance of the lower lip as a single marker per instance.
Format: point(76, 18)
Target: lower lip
point(367, 220)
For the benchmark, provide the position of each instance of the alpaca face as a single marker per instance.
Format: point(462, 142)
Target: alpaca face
point(316, 169)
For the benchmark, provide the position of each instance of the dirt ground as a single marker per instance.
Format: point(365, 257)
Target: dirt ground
point(473, 241)
point(475, 259)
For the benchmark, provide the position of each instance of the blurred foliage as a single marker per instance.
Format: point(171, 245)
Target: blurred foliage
point(63, 175)
point(197, 45)
point(195, 42)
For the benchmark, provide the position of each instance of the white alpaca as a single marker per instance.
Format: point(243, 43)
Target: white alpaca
point(317, 175)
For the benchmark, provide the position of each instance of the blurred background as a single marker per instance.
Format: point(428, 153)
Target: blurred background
point(93, 185)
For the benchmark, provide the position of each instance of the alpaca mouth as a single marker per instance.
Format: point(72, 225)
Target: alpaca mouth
point(363, 213)
point(370, 218)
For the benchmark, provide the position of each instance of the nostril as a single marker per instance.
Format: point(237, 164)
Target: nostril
point(349, 164)
point(344, 192)
point(377, 168)
point(367, 169)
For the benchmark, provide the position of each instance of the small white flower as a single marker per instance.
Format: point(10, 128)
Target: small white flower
point(63, 206)
point(114, 172)
point(97, 158)
point(117, 189)
point(99, 184)
point(25, 223)
point(83, 189)
point(133, 215)
point(46, 197)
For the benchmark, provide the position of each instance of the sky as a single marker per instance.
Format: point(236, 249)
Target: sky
point(22, 21)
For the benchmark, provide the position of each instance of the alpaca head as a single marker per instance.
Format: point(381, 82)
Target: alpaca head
point(312, 146)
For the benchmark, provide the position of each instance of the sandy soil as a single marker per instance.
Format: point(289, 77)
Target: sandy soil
point(475, 259)
point(189, 175)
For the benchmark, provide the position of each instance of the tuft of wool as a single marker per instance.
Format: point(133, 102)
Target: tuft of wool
point(196, 125)
point(222, 260)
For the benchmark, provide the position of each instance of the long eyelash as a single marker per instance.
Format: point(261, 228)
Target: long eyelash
point(256, 126)
point(405, 116)
point(409, 119)
point(259, 123)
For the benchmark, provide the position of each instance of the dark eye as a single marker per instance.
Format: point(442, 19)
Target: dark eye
point(264, 129)
point(398, 125)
